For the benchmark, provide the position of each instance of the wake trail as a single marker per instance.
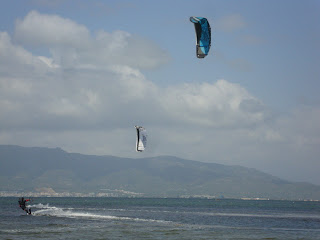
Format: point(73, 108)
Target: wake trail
point(47, 210)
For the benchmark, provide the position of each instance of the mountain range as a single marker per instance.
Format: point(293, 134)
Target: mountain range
point(32, 168)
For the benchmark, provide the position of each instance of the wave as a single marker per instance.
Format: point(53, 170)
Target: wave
point(231, 214)
point(40, 205)
point(264, 215)
point(47, 210)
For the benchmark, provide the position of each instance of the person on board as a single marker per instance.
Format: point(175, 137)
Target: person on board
point(22, 204)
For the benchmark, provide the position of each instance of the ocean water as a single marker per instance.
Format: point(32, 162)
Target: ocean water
point(159, 218)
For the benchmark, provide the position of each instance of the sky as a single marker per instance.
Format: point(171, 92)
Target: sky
point(80, 75)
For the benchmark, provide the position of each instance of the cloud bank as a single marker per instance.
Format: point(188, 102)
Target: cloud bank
point(89, 91)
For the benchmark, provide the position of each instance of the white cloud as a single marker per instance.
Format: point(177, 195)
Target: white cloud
point(72, 45)
point(51, 30)
point(48, 61)
point(301, 127)
point(220, 104)
point(16, 61)
point(231, 23)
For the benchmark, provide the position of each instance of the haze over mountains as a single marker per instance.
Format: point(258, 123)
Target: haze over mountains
point(29, 169)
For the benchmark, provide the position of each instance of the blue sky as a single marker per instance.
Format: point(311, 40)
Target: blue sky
point(80, 74)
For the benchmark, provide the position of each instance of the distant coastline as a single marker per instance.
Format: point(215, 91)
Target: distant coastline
point(119, 195)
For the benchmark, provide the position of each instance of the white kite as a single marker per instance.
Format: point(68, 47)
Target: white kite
point(141, 138)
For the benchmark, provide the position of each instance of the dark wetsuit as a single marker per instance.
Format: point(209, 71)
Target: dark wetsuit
point(22, 204)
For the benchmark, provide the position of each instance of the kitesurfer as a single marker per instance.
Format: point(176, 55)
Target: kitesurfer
point(22, 204)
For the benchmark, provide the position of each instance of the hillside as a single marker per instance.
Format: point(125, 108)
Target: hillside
point(29, 169)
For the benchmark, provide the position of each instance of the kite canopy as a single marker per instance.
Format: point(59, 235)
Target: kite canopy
point(203, 34)
point(141, 138)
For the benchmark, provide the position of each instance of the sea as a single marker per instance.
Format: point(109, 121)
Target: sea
point(159, 218)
